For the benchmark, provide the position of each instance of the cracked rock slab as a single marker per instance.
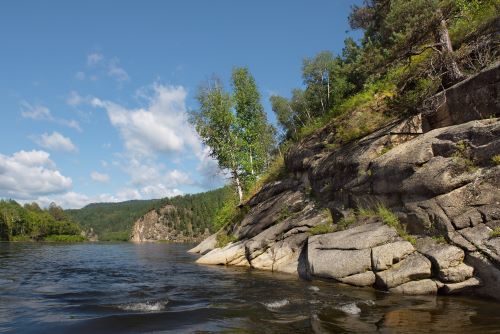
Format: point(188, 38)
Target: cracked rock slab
point(337, 263)
point(414, 267)
point(363, 279)
point(359, 237)
point(442, 255)
point(471, 283)
point(233, 254)
point(383, 257)
point(456, 274)
point(421, 287)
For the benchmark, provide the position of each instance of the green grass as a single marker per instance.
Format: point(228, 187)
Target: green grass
point(344, 223)
point(389, 218)
point(321, 229)
point(21, 238)
point(439, 239)
point(495, 233)
point(223, 239)
point(64, 238)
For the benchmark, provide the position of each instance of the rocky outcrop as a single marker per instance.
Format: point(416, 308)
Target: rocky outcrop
point(442, 184)
point(162, 224)
point(90, 235)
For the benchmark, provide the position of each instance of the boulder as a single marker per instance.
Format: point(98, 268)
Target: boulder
point(421, 287)
point(450, 288)
point(359, 237)
point(442, 255)
point(362, 279)
point(414, 267)
point(456, 274)
point(232, 254)
point(206, 245)
point(383, 257)
point(337, 263)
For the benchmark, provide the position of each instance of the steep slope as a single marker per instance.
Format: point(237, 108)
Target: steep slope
point(435, 176)
point(181, 219)
point(114, 221)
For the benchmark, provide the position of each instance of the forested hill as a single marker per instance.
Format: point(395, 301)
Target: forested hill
point(113, 221)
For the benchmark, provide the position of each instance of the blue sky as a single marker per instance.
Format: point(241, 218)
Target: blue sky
point(94, 94)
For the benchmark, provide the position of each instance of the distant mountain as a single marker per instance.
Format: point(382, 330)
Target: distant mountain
point(114, 221)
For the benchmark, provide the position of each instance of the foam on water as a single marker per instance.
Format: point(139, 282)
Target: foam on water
point(314, 288)
point(276, 304)
point(150, 306)
point(350, 308)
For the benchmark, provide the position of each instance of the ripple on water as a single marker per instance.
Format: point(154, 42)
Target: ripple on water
point(350, 308)
point(277, 304)
point(148, 306)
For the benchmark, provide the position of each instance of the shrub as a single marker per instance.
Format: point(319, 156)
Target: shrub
point(496, 159)
point(223, 239)
point(495, 233)
point(64, 238)
point(321, 229)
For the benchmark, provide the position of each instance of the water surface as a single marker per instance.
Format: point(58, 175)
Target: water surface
point(128, 288)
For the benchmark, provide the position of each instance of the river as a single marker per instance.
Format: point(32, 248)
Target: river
point(129, 288)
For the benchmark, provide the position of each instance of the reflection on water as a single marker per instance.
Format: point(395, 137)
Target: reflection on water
point(127, 288)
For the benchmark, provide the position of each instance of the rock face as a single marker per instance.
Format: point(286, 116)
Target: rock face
point(441, 183)
point(157, 225)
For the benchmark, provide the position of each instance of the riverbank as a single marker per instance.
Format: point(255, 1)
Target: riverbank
point(136, 288)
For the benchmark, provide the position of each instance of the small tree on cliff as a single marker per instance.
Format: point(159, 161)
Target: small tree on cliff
point(216, 125)
point(401, 28)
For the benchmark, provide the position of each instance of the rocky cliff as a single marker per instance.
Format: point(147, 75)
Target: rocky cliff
point(413, 208)
point(164, 225)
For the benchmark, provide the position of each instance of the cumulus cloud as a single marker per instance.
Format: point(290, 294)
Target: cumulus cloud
point(56, 142)
point(94, 58)
point(29, 174)
point(160, 127)
point(98, 177)
point(116, 72)
point(41, 113)
point(74, 99)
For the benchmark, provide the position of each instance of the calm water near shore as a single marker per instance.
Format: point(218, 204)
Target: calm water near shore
point(128, 288)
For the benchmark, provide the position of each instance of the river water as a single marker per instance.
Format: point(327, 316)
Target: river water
point(128, 288)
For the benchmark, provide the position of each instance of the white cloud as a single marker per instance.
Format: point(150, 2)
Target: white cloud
point(56, 142)
point(160, 127)
point(41, 113)
point(36, 112)
point(116, 72)
point(29, 174)
point(98, 177)
point(94, 58)
point(74, 99)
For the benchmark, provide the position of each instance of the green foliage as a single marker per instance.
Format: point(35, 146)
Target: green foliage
point(496, 159)
point(63, 238)
point(463, 157)
point(114, 221)
point(223, 239)
point(495, 233)
point(388, 218)
point(276, 171)
point(321, 229)
point(344, 223)
point(235, 127)
point(439, 239)
point(32, 223)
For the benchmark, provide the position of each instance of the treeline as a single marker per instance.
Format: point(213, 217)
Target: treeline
point(409, 51)
point(30, 222)
point(114, 221)
point(195, 213)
